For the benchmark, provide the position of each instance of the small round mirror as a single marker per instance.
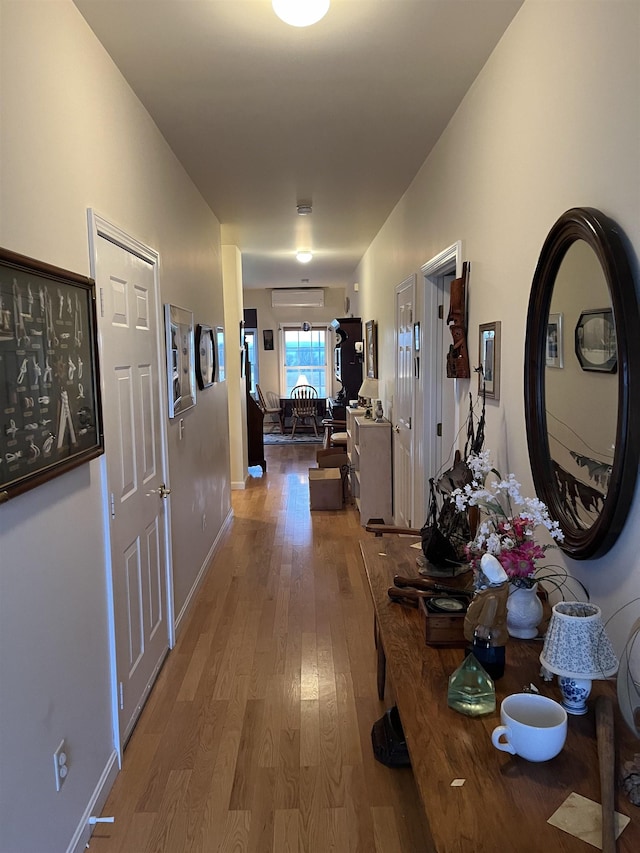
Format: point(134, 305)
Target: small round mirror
point(580, 376)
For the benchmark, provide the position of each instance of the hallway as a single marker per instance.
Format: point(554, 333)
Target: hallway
point(256, 736)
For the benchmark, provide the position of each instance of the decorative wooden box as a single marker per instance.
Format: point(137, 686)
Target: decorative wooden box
point(444, 620)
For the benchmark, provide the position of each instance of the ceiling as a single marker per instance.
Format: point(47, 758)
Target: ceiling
point(263, 115)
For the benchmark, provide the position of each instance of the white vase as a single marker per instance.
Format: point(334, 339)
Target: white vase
point(524, 612)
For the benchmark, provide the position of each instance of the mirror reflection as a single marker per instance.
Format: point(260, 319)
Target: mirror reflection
point(582, 367)
point(581, 398)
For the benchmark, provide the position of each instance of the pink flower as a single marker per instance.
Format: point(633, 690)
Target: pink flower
point(520, 562)
point(507, 523)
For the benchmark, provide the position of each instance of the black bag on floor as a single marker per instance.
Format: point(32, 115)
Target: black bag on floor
point(387, 737)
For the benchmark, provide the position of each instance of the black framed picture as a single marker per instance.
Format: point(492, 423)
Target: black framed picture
point(205, 356)
point(267, 339)
point(595, 340)
point(181, 373)
point(50, 405)
point(371, 349)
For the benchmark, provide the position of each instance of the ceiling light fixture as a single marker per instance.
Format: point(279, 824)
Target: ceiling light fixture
point(301, 13)
point(304, 208)
point(304, 257)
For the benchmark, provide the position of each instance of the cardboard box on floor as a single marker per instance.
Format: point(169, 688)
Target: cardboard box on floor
point(331, 457)
point(325, 488)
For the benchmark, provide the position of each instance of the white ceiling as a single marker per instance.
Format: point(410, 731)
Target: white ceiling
point(263, 115)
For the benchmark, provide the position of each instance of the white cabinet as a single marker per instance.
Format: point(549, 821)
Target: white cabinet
point(369, 452)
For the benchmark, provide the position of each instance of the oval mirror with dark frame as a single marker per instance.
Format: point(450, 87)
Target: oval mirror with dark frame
point(582, 380)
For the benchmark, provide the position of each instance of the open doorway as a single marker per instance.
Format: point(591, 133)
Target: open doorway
point(406, 376)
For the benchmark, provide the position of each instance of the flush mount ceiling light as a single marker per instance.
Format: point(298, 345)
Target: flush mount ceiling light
point(304, 208)
point(300, 13)
point(304, 257)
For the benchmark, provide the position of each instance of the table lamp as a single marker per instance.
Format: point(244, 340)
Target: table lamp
point(368, 391)
point(577, 649)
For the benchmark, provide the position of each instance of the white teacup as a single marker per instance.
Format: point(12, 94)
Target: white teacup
point(533, 727)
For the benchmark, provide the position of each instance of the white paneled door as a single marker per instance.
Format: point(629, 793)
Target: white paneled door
point(138, 509)
point(403, 406)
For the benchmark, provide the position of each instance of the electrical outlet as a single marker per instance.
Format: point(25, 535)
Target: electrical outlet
point(60, 764)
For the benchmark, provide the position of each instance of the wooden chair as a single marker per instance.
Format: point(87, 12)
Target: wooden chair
point(270, 405)
point(335, 434)
point(304, 407)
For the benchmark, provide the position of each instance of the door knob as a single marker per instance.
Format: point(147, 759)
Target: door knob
point(163, 491)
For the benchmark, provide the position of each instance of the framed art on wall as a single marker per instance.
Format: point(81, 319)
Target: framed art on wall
point(220, 350)
point(595, 341)
point(50, 406)
point(554, 349)
point(489, 344)
point(371, 349)
point(206, 356)
point(181, 374)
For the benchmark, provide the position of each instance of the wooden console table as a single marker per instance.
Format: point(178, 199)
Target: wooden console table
point(505, 801)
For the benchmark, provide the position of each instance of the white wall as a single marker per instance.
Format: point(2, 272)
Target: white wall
point(74, 136)
point(236, 385)
point(552, 122)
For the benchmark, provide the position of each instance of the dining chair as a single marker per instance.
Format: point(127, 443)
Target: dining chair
point(270, 404)
point(304, 407)
point(335, 434)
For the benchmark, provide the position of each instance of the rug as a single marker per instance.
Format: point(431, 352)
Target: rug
point(298, 438)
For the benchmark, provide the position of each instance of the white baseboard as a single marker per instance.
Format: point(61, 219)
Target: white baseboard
point(81, 836)
point(203, 569)
point(238, 485)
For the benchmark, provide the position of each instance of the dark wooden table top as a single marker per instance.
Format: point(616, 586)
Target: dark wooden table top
point(505, 801)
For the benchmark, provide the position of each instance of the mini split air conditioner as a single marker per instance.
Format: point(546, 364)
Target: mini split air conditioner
point(292, 298)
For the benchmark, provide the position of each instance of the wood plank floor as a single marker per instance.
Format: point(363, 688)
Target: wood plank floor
point(256, 736)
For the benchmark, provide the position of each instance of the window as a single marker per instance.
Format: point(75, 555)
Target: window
point(305, 358)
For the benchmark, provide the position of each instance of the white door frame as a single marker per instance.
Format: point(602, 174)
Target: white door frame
point(101, 227)
point(447, 261)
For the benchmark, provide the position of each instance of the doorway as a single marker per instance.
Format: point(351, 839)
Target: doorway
point(137, 511)
point(439, 421)
point(403, 405)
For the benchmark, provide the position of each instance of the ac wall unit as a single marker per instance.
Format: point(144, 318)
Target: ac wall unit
point(292, 298)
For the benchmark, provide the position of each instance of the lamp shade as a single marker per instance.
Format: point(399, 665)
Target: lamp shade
point(576, 644)
point(369, 389)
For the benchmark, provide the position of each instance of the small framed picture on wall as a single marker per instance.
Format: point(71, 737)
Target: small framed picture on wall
point(222, 373)
point(267, 339)
point(554, 344)
point(371, 349)
point(489, 341)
